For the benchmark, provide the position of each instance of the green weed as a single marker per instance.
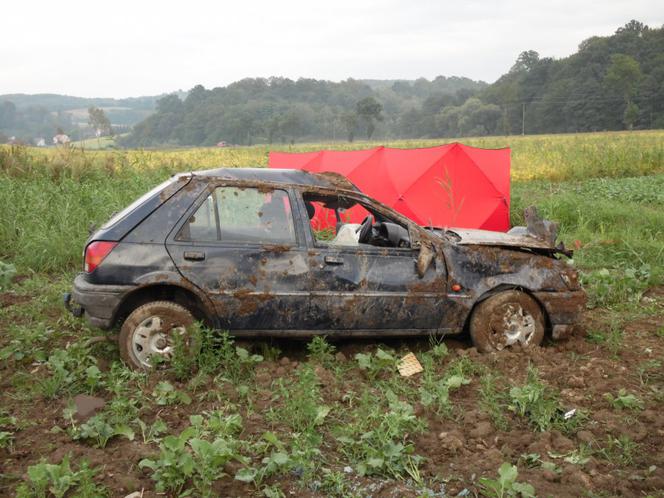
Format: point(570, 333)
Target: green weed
point(506, 484)
point(336, 483)
point(277, 461)
point(538, 404)
point(268, 351)
point(7, 272)
point(376, 440)
point(70, 371)
point(59, 480)
point(375, 364)
point(321, 351)
point(6, 439)
point(493, 401)
point(151, 433)
point(621, 450)
point(649, 371)
point(197, 456)
point(27, 343)
point(435, 390)
point(165, 394)
point(299, 402)
point(99, 429)
point(609, 287)
point(624, 400)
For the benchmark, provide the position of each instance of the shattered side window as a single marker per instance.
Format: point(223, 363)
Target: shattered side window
point(253, 215)
point(329, 215)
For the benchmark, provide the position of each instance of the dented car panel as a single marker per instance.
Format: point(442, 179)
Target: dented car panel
point(358, 289)
point(488, 238)
point(243, 281)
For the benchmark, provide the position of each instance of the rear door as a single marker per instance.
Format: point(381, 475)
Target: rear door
point(242, 247)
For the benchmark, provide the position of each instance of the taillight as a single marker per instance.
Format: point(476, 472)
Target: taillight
point(96, 252)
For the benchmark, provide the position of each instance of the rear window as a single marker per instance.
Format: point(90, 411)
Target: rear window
point(138, 202)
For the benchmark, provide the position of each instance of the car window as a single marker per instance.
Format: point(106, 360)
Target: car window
point(335, 221)
point(138, 202)
point(233, 214)
point(203, 224)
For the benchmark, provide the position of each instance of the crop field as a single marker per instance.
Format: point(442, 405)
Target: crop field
point(582, 417)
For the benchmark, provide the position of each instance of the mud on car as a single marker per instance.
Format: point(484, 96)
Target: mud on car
point(244, 250)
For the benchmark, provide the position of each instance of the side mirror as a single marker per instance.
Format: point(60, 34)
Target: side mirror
point(424, 259)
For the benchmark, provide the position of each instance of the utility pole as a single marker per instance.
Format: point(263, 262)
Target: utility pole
point(523, 118)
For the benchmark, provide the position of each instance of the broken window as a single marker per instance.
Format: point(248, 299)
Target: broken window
point(338, 220)
point(233, 214)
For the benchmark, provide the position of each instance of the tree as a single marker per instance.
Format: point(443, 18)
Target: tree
point(369, 110)
point(98, 120)
point(624, 75)
point(525, 62)
point(349, 120)
point(7, 114)
point(630, 115)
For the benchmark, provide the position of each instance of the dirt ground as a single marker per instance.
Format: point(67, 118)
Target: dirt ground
point(458, 449)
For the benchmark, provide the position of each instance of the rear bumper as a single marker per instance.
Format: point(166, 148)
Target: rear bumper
point(97, 303)
point(564, 310)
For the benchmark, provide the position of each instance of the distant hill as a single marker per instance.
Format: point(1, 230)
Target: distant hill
point(55, 102)
point(29, 117)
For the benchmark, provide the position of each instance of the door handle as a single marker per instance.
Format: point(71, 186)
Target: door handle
point(333, 260)
point(194, 255)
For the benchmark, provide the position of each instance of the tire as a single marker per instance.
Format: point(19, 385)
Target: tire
point(505, 319)
point(148, 329)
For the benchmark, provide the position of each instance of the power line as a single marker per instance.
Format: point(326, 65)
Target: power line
point(542, 100)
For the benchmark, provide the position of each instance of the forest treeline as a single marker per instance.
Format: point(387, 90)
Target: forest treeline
point(610, 83)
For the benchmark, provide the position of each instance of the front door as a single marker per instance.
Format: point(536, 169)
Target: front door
point(240, 245)
point(370, 284)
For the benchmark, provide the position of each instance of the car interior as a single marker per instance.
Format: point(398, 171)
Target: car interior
point(334, 222)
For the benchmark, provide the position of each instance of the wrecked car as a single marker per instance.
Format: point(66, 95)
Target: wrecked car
point(239, 250)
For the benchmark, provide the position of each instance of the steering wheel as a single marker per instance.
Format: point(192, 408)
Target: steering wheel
point(365, 230)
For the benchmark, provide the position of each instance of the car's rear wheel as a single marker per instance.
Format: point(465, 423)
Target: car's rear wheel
point(149, 332)
point(506, 319)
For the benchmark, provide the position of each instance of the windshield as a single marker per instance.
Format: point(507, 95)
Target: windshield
point(138, 202)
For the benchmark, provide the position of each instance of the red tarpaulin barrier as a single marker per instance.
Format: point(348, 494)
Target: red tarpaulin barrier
point(450, 185)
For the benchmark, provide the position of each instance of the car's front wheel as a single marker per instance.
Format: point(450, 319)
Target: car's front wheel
point(149, 332)
point(505, 319)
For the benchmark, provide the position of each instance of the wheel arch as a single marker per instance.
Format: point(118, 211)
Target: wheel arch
point(507, 287)
point(181, 295)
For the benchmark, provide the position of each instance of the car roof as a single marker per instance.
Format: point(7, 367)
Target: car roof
point(276, 175)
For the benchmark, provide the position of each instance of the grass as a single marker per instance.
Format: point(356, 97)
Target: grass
point(100, 143)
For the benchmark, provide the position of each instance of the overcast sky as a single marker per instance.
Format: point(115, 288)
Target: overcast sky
point(125, 48)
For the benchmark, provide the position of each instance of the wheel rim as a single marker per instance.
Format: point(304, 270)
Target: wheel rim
point(151, 338)
point(512, 324)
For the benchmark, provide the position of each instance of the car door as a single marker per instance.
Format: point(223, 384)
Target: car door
point(363, 287)
point(242, 247)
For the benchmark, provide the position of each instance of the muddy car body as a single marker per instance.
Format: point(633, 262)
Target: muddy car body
point(239, 250)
